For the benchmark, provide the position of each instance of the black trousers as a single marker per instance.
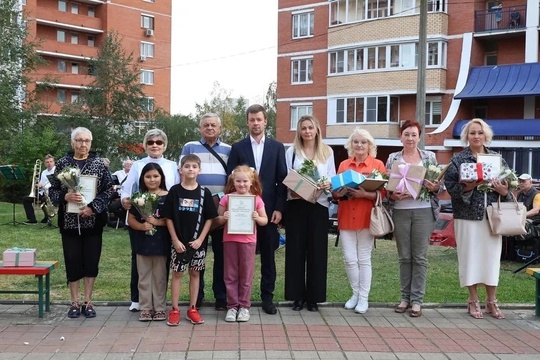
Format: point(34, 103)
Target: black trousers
point(267, 243)
point(306, 251)
point(28, 204)
point(81, 255)
point(218, 283)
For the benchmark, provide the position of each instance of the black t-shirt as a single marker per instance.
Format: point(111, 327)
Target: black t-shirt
point(182, 207)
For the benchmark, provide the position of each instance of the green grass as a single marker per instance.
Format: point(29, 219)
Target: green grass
point(113, 281)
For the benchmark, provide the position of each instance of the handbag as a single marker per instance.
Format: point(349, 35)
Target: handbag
point(380, 222)
point(507, 218)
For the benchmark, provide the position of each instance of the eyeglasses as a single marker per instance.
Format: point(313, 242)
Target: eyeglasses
point(83, 141)
point(157, 142)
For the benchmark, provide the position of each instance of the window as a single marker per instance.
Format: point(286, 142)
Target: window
point(490, 58)
point(302, 71)
point(60, 36)
point(91, 11)
point(303, 25)
point(147, 77)
point(147, 49)
point(147, 104)
point(367, 109)
point(299, 110)
point(23, 2)
point(91, 41)
point(61, 96)
point(74, 8)
point(62, 5)
point(433, 112)
point(74, 97)
point(74, 38)
point(61, 66)
point(147, 22)
point(74, 68)
point(436, 5)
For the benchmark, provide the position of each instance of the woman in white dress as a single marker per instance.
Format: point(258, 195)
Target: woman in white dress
point(479, 252)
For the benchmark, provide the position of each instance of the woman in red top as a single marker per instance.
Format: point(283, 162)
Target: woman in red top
point(354, 215)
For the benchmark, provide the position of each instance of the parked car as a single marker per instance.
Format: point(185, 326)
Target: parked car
point(443, 235)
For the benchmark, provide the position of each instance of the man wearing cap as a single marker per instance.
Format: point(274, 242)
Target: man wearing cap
point(530, 198)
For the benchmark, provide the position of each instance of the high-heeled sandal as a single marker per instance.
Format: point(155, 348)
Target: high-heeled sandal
point(474, 309)
point(493, 308)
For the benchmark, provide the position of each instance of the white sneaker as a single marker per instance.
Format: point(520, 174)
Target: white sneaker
point(352, 302)
point(134, 307)
point(362, 306)
point(231, 315)
point(243, 315)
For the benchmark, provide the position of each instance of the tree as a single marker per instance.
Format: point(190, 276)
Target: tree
point(112, 102)
point(179, 129)
point(270, 104)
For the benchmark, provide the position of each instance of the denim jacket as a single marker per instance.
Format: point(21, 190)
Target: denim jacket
point(427, 156)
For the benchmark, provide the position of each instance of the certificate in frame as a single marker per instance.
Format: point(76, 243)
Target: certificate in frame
point(241, 208)
point(88, 185)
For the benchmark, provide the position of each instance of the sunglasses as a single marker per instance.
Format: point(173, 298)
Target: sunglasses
point(157, 142)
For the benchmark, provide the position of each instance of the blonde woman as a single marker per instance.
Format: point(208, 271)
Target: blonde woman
point(306, 252)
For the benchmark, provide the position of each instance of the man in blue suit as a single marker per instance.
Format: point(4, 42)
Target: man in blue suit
point(267, 156)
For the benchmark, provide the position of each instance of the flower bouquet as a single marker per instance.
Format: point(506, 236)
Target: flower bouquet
point(377, 175)
point(309, 169)
point(511, 179)
point(433, 172)
point(146, 204)
point(70, 177)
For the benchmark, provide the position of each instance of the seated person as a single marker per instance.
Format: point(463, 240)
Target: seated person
point(43, 186)
point(530, 197)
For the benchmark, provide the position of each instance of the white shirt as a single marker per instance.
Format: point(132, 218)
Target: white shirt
point(258, 148)
point(44, 180)
point(121, 175)
point(170, 170)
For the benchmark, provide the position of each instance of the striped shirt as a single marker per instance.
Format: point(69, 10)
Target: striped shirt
point(213, 175)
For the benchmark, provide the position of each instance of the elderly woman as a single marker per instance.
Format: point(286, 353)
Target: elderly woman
point(82, 226)
point(479, 252)
point(306, 253)
point(155, 144)
point(354, 214)
point(414, 220)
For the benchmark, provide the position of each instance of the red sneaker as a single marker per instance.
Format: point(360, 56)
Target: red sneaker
point(174, 317)
point(194, 316)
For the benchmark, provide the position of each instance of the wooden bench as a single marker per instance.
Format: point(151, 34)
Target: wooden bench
point(535, 272)
point(40, 269)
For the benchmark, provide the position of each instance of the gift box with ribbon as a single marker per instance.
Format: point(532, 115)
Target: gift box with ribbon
point(19, 257)
point(406, 178)
point(469, 172)
point(302, 186)
point(349, 178)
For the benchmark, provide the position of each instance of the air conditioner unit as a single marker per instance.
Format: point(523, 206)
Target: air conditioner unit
point(142, 58)
point(149, 32)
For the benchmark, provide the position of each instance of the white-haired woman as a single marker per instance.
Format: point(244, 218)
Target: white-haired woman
point(479, 251)
point(155, 144)
point(306, 253)
point(82, 231)
point(354, 214)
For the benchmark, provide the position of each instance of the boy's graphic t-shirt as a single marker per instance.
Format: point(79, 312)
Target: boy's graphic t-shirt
point(182, 207)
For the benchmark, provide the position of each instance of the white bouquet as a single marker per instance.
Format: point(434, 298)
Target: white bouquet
point(70, 177)
point(146, 204)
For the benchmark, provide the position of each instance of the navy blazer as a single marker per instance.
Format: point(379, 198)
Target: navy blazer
point(271, 174)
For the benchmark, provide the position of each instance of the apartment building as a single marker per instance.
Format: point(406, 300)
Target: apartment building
point(70, 32)
point(354, 63)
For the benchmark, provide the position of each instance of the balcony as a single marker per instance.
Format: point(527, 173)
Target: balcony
point(67, 50)
point(75, 22)
point(500, 19)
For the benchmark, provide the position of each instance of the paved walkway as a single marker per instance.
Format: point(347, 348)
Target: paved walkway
point(332, 333)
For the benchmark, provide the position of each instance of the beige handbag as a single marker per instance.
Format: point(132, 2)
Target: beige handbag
point(507, 218)
point(380, 222)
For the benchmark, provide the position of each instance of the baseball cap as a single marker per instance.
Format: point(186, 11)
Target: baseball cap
point(525, 177)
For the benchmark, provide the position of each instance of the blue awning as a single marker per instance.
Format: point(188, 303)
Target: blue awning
point(506, 127)
point(502, 80)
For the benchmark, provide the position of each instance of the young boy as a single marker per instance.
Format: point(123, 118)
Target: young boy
point(189, 210)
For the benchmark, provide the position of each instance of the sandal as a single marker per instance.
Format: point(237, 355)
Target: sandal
point(145, 316)
point(160, 316)
point(416, 313)
point(493, 308)
point(474, 309)
point(89, 311)
point(74, 311)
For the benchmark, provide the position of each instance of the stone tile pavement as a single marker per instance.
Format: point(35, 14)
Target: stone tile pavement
point(332, 333)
